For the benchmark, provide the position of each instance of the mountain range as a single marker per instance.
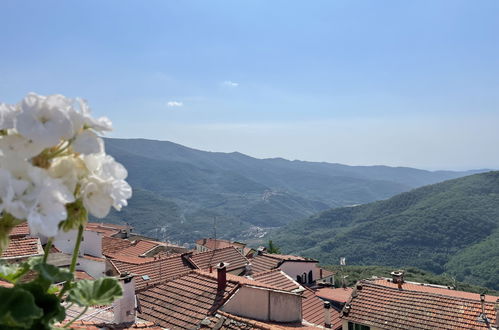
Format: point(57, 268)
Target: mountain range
point(182, 194)
point(448, 228)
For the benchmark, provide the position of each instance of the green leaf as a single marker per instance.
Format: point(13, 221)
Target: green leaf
point(88, 293)
point(53, 274)
point(48, 302)
point(12, 273)
point(18, 308)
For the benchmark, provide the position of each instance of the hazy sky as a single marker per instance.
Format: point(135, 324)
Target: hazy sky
point(403, 83)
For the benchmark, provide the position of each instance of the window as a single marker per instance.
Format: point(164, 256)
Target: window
point(310, 277)
point(298, 278)
point(355, 326)
point(304, 278)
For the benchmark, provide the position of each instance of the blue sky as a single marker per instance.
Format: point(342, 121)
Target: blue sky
point(402, 83)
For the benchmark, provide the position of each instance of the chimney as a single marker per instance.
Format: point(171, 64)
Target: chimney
point(222, 276)
point(260, 250)
point(248, 269)
point(398, 277)
point(327, 314)
point(124, 308)
point(204, 241)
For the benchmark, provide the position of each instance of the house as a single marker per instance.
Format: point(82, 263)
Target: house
point(210, 244)
point(230, 255)
point(22, 248)
point(388, 304)
point(303, 270)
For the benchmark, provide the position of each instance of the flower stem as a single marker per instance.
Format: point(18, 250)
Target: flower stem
point(76, 249)
point(47, 250)
point(76, 318)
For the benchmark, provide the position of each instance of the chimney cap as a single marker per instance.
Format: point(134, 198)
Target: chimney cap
point(327, 305)
point(222, 265)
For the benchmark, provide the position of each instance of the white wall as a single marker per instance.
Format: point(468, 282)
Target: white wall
point(265, 305)
point(65, 242)
point(293, 268)
point(94, 268)
point(92, 243)
point(124, 308)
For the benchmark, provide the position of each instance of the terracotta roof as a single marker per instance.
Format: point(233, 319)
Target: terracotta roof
point(279, 279)
point(112, 245)
point(155, 269)
point(383, 306)
point(422, 287)
point(184, 302)
point(82, 275)
point(107, 229)
point(89, 257)
point(288, 257)
point(99, 325)
point(135, 249)
point(326, 273)
point(313, 310)
point(241, 280)
point(20, 230)
point(23, 247)
point(227, 321)
point(214, 244)
point(335, 294)
point(262, 263)
point(203, 260)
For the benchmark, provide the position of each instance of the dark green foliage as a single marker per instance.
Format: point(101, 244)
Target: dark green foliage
point(272, 248)
point(179, 192)
point(450, 227)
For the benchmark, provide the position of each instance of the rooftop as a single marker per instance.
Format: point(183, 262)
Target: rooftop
point(313, 310)
point(335, 294)
point(214, 244)
point(203, 260)
point(380, 304)
point(20, 230)
point(22, 247)
point(183, 302)
point(279, 279)
point(107, 229)
point(154, 270)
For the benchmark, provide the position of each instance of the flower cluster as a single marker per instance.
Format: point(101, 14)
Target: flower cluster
point(53, 166)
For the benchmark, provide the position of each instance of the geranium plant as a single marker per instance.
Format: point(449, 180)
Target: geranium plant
point(53, 172)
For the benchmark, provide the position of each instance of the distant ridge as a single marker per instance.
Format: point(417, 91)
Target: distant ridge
point(450, 227)
point(180, 191)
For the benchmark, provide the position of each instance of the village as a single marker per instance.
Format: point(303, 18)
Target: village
point(226, 285)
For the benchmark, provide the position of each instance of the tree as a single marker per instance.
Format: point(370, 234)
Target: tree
point(272, 248)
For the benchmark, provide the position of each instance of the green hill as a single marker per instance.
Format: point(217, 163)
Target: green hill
point(450, 227)
point(180, 192)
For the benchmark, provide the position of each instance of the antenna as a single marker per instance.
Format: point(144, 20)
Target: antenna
point(215, 236)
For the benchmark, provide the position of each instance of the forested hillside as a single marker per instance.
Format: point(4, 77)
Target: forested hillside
point(450, 227)
point(180, 193)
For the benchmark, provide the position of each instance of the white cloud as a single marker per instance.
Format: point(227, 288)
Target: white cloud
point(175, 104)
point(230, 83)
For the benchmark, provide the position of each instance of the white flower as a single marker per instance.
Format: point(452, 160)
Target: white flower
point(11, 192)
point(100, 125)
point(87, 142)
point(45, 119)
point(7, 116)
point(105, 186)
point(69, 170)
point(15, 145)
point(49, 205)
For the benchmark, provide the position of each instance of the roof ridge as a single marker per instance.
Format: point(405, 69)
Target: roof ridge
point(369, 282)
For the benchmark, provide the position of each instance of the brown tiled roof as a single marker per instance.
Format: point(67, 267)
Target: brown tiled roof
point(160, 269)
point(279, 279)
point(20, 230)
point(386, 307)
point(184, 302)
point(111, 245)
point(107, 229)
point(23, 247)
point(313, 310)
point(422, 287)
point(262, 263)
point(336, 294)
point(288, 257)
point(227, 321)
point(215, 244)
point(99, 325)
point(82, 275)
point(242, 280)
point(136, 249)
point(203, 260)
